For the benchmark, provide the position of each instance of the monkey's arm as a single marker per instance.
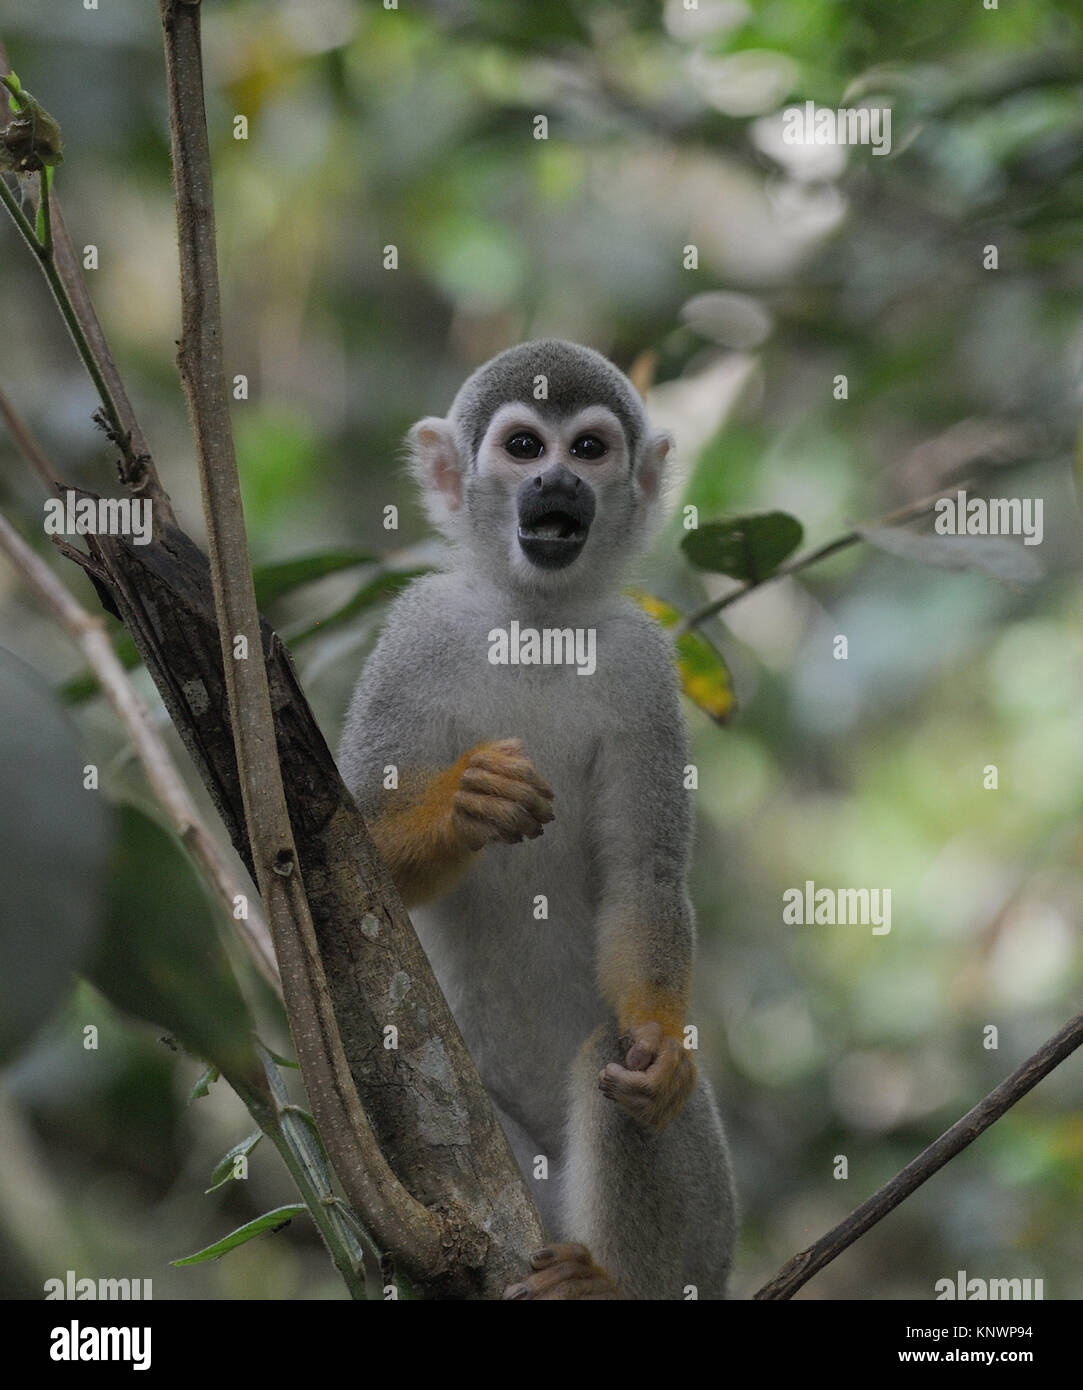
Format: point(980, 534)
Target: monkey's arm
point(427, 830)
point(429, 799)
point(645, 924)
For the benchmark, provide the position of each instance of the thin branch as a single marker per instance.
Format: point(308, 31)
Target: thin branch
point(45, 255)
point(292, 1136)
point(63, 271)
point(26, 443)
point(45, 205)
point(908, 513)
point(90, 634)
point(396, 1218)
point(22, 222)
point(803, 1266)
point(716, 605)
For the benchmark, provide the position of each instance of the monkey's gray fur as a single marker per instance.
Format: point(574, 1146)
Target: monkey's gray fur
point(577, 377)
point(656, 1209)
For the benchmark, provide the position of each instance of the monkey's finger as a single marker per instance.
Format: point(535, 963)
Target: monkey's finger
point(564, 1271)
point(629, 1080)
point(623, 1085)
point(500, 820)
point(639, 1056)
point(641, 1045)
point(561, 1250)
point(509, 760)
point(485, 783)
point(521, 769)
point(508, 817)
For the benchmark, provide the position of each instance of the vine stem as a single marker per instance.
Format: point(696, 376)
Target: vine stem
point(45, 255)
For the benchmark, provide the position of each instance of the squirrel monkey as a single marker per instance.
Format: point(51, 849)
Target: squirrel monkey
point(517, 747)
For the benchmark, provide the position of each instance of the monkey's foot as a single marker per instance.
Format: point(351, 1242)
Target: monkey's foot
point(501, 796)
point(657, 1077)
point(564, 1271)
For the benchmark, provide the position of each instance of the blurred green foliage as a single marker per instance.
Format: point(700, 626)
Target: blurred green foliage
point(415, 128)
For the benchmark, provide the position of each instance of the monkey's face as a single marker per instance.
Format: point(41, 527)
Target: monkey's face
point(546, 493)
point(552, 496)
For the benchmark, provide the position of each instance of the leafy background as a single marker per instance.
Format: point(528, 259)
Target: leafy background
point(415, 127)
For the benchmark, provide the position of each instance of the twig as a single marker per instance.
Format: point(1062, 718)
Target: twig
point(46, 258)
point(848, 538)
point(45, 204)
point(716, 605)
point(63, 271)
point(396, 1218)
point(803, 1266)
point(90, 634)
point(296, 1142)
point(26, 443)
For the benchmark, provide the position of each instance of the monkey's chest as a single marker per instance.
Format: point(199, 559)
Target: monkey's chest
point(513, 945)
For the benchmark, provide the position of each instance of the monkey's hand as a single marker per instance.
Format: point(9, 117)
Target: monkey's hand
point(656, 1079)
point(564, 1271)
point(500, 796)
point(427, 836)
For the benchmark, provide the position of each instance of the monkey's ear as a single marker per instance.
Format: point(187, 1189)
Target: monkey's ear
point(652, 465)
point(434, 462)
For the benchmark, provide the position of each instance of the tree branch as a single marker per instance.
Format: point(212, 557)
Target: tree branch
point(419, 1088)
point(397, 1219)
point(165, 781)
point(803, 1266)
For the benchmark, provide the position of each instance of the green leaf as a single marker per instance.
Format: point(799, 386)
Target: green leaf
point(1005, 559)
point(390, 582)
point(269, 1221)
point(203, 1084)
point(705, 677)
point(274, 580)
point(223, 1169)
point(54, 866)
point(159, 956)
point(282, 1061)
point(745, 547)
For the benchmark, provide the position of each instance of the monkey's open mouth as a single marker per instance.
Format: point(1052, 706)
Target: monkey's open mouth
point(556, 509)
point(553, 539)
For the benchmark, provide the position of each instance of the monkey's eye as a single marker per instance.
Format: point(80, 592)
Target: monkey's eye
point(524, 445)
point(589, 447)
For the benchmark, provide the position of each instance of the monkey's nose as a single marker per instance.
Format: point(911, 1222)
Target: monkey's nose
point(561, 481)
